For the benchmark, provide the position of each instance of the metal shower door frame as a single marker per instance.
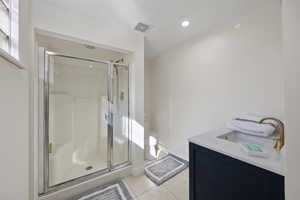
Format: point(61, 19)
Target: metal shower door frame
point(44, 184)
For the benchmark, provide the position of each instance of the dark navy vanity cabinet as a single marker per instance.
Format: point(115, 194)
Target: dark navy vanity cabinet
point(215, 176)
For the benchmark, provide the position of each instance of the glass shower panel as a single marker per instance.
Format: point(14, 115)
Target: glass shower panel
point(121, 115)
point(77, 129)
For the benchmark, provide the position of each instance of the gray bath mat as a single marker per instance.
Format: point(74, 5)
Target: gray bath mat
point(113, 191)
point(165, 168)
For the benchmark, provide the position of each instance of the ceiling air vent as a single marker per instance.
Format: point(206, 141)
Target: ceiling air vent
point(141, 27)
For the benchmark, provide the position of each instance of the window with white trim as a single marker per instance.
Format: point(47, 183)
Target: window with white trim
point(9, 27)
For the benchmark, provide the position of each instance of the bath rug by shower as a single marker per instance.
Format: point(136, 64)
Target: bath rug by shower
point(113, 191)
point(165, 168)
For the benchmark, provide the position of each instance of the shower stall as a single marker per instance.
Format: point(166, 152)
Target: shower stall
point(84, 126)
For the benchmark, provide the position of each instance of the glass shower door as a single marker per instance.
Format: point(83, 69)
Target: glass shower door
point(83, 119)
point(77, 127)
point(121, 130)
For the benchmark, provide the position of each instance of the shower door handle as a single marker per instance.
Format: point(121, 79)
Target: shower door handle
point(109, 118)
point(50, 147)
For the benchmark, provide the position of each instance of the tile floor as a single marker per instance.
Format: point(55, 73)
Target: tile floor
point(174, 189)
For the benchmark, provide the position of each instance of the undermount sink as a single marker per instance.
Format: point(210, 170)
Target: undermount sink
point(237, 137)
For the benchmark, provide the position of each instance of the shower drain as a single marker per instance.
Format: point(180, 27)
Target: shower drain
point(89, 168)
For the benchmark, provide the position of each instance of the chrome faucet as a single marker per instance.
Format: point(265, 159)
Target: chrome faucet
point(280, 141)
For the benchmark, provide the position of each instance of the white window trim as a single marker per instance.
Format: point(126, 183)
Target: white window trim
point(6, 56)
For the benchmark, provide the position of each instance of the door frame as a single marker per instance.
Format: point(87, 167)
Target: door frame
point(43, 167)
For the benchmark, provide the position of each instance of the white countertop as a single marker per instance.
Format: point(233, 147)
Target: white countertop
point(274, 163)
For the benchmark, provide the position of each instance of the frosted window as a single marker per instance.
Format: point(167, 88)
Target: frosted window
point(9, 26)
point(4, 42)
point(4, 18)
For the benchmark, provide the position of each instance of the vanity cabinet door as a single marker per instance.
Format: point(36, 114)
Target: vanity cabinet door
point(277, 184)
point(215, 176)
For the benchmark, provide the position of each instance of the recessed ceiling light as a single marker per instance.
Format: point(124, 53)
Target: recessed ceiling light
point(91, 66)
point(237, 26)
point(185, 23)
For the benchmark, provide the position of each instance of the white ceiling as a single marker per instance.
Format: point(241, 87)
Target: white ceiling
point(165, 16)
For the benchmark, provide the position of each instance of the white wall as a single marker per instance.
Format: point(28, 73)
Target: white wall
point(291, 47)
point(14, 116)
point(204, 82)
point(76, 49)
point(14, 147)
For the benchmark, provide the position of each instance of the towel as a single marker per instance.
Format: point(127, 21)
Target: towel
point(248, 124)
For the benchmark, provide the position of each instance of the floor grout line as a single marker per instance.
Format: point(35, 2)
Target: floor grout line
point(135, 195)
point(172, 194)
point(147, 190)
